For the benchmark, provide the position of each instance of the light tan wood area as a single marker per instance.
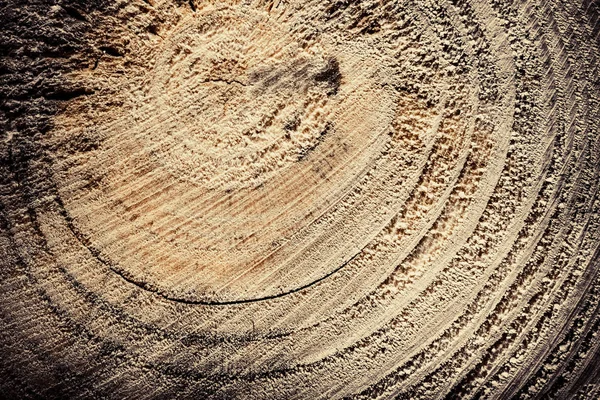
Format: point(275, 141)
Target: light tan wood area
point(302, 200)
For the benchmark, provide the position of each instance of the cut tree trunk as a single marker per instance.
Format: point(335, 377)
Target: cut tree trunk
point(299, 199)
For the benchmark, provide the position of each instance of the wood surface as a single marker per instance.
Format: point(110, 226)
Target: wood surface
point(299, 199)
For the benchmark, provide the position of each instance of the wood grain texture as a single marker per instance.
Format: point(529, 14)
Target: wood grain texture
point(299, 199)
